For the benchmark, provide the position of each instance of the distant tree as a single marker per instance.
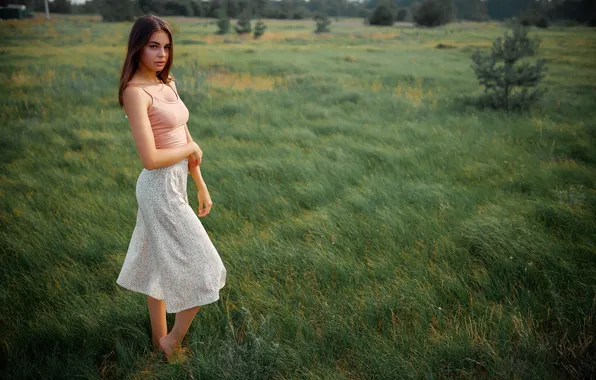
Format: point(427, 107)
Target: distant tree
point(503, 9)
point(89, 7)
point(61, 6)
point(383, 15)
point(233, 8)
point(509, 85)
point(259, 7)
point(319, 6)
point(259, 29)
point(433, 12)
point(198, 8)
point(287, 8)
point(322, 21)
point(301, 13)
point(243, 24)
point(150, 6)
point(582, 11)
point(474, 10)
point(223, 22)
point(402, 15)
point(178, 8)
point(118, 10)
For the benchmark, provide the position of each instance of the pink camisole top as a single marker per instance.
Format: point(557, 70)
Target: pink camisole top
point(168, 119)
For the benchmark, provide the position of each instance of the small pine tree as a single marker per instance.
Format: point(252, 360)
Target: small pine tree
point(223, 22)
point(243, 24)
point(323, 22)
point(509, 86)
point(259, 29)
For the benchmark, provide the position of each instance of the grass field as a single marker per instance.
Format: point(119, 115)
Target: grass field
point(372, 226)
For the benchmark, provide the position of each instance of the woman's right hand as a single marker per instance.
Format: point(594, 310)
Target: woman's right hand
point(197, 155)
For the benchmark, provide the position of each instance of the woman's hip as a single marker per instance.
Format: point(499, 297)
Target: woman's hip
point(162, 185)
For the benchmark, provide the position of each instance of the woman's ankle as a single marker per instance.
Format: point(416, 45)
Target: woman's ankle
point(171, 341)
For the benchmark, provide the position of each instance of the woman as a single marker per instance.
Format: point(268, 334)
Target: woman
point(170, 258)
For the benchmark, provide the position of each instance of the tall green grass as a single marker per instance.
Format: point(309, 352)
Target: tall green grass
point(372, 226)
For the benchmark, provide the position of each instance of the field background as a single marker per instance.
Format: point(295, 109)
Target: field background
point(373, 227)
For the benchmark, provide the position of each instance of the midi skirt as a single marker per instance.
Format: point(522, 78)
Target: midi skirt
point(170, 256)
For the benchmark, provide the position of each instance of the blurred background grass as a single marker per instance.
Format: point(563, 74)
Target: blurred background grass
point(372, 226)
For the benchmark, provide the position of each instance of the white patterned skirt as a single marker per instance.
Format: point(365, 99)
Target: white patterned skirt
point(170, 255)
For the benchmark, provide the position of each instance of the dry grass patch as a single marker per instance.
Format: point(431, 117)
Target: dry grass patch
point(242, 81)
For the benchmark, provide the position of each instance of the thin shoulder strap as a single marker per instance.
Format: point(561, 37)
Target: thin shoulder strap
point(175, 92)
point(141, 87)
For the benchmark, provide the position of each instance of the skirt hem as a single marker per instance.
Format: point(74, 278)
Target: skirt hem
point(206, 301)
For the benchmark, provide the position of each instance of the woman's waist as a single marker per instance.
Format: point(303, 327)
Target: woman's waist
point(170, 138)
point(183, 163)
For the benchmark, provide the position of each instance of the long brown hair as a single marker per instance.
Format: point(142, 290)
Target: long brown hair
point(142, 29)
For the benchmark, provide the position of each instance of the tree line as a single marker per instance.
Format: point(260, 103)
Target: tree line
point(582, 11)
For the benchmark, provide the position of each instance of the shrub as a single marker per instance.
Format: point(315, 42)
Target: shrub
point(259, 29)
point(322, 22)
point(383, 15)
point(433, 13)
point(509, 86)
point(243, 24)
point(223, 22)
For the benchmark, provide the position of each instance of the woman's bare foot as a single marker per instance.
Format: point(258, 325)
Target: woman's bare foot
point(173, 352)
point(166, 348)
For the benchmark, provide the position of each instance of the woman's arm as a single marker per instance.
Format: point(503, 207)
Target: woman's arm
point(194, 170)
point(205, 202)
point(135, 106)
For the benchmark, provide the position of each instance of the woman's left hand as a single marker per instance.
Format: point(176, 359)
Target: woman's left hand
point(204, 201)
point(192, 162)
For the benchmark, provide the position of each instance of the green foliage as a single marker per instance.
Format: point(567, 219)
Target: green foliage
point(223, 22)
point(504, 9)
point(322, 21)
point(542, 22)
point(301, 13)
point(510, 85)
point(533, 17)
point(402, 15)
point(243, 24)
point(474, 10)
point(383, 15)
point(60, 6)
point(259, 29)
point(118, 10)
point(433, 13)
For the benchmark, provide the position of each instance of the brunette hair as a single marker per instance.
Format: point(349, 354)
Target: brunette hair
point(142, 29)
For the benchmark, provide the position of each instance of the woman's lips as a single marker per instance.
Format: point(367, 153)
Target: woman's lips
point(159, 63)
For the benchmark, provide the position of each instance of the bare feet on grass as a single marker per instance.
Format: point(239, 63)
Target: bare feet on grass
point(155, 343)
point(173, 352)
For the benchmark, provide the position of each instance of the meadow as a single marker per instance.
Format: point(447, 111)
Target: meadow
point(372, 225)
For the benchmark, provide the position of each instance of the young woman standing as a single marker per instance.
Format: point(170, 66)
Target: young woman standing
point(170, 257)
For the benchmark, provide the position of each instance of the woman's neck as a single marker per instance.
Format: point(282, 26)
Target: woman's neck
point(145, 76)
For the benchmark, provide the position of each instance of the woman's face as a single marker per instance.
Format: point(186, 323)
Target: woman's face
point(156, 52)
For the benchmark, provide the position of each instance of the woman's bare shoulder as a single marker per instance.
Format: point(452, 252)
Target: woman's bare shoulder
point(134, 94)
